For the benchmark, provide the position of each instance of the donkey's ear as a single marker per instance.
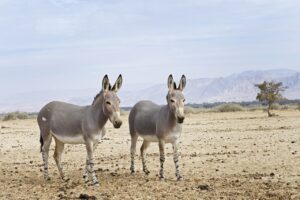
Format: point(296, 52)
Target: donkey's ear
point(182, 83)
point(171, 83)
point(117, 84)
point(105, 84)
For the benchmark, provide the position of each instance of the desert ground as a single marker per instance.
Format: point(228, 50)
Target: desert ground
point(240, 155)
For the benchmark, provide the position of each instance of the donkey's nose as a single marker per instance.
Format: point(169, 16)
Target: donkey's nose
point(180, 120)
point(117, 124)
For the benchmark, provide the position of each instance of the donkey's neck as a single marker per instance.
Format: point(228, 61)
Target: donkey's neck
point(97, 113)
point(171, 119)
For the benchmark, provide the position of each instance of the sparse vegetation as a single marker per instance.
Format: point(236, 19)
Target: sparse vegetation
point(229, 107)
point(191, 110)
point(299, 106)
point(124, 112)
point(17, 115)
point(270, 92)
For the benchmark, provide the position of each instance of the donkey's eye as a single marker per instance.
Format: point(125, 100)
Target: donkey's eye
point(172, 100)
point(183, 100)
point(108, 103)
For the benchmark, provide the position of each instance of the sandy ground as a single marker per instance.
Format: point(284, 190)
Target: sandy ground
point(243, 155)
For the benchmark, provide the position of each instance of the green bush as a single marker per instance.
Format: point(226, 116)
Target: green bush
point(15, 115)
point(229, 107)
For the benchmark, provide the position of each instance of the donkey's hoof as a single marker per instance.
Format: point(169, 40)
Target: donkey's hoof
point(147, 172)
point(162, 179)
point(179, 178)
point(96, 184)
point(47, 178)
point(132, 172)
point(65, 179)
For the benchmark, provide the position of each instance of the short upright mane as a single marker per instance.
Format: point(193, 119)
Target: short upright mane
point(96, 97)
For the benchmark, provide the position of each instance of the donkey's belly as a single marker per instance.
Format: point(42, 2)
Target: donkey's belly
point(67, 139)
point(172, 137)
point(150, 138)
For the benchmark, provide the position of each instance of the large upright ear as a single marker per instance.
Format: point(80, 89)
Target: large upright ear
point(182, 83)
point(105, 84)
point(117, 84)
point(171, 83)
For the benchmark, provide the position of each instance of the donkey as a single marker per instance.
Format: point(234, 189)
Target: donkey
point(72, 124)
point(162, 124)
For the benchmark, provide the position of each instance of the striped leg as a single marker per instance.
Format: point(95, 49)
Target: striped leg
point(132, 152)
point(59, 147)
point(144, 146)
point(175, 157)
point(90, 163)
point(45, 155)
point(162, 159)
point(86, 171)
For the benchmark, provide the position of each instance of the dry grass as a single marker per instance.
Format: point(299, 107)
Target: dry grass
point(230, 107)
point(231, 155)
point(15, 115)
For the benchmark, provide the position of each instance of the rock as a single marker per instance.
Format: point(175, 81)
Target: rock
point(87, 197)
point(203, 187)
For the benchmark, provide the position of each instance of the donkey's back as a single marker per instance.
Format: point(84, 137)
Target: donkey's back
point(60, 116)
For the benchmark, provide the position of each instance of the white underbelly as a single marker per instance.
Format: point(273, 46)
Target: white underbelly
point(168, 138)
point(150, 138)
point(172, 137)
point(76, 139)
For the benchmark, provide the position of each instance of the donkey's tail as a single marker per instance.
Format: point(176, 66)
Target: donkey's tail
point(42, 142)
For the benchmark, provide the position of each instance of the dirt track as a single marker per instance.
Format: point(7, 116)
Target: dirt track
point(243, 155)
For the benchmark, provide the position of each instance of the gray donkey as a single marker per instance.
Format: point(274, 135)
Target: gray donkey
point(162, 124)
point(72, 124)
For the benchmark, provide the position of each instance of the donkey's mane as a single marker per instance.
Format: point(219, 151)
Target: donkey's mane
point(96, 97)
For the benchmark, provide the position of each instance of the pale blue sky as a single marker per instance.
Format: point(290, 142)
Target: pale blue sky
point(71, 44)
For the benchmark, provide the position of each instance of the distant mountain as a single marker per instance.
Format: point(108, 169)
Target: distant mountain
point(233, 88)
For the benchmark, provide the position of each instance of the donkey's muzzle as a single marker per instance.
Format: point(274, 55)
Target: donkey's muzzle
point(117, 124)
point(180, 120)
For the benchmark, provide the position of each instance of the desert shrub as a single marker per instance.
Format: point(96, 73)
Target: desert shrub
point(270, 92)
point(285, 107)
point(299, 106)
point(191, 110)
point(275, 106)
point(229, 107)
point(255, 108)
point(15, 115)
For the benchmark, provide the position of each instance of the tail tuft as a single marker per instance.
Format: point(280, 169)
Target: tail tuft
point(42, 142)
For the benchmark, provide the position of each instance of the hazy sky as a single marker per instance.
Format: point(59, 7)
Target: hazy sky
point(65, 44)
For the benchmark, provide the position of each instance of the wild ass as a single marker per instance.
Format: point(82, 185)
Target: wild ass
point(162, 124)
point(72, 124)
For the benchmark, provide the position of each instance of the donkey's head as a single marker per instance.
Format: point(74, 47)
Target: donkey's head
point(111, 101)
point(175, 98)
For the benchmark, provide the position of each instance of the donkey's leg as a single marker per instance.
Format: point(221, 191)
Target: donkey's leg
point(45, 154)
point(144, 146)
point(175, 158)
point(132, 152)
point(90, 168)
point(59, 148)
point(161, 144)
point(86, 169)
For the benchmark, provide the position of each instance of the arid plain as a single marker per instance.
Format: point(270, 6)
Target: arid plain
point(238, 155)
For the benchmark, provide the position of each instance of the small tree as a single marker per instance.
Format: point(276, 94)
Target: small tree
point(270, 92)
